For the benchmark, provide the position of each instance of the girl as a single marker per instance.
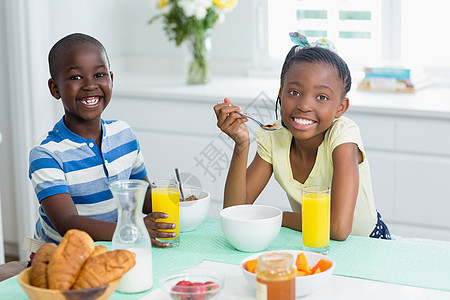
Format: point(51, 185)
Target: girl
point(317, 146)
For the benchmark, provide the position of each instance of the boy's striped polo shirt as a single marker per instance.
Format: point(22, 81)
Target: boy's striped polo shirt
point(64, 162)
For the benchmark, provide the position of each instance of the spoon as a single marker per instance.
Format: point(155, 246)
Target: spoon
point(177, 173)
point(269, 127)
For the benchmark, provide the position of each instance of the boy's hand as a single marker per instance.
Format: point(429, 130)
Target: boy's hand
point(153, 226)
point(231, 123)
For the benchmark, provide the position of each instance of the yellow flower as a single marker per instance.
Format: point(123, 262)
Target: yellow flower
point(162, 3)
point(225, 4)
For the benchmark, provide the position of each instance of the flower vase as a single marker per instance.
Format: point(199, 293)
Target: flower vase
point(199, 46)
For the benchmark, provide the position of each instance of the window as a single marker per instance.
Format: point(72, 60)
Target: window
point(424, 30)
point(349, 24)
point(407, 33)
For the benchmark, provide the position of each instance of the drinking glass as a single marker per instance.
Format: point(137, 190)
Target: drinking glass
point(316, 218)
point(166, 199)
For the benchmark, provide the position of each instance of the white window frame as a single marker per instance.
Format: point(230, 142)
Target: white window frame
point(390, 36)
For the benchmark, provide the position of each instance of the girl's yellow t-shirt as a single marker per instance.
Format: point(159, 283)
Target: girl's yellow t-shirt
point(274, 148)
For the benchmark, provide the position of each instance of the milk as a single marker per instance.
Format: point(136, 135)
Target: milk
point(140, 277)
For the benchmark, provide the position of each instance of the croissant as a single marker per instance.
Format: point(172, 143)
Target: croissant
point(38, 270)
point(68, 259)
point(104, 268)
point(99, 249)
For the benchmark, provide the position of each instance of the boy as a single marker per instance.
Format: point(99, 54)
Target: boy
point(72, 166)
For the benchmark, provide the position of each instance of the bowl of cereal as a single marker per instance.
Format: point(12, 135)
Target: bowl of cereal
point(194, 209)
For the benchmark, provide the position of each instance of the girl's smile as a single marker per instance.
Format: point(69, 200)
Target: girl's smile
point(303, 123)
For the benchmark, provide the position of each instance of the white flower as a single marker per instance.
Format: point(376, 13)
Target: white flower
point(221, 18)
point(195, 8)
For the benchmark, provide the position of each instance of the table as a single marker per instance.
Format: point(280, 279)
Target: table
point(337, 288)
point(413, 268)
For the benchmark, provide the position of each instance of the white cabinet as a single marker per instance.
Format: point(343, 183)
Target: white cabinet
point(423, 135)
point(410, 164)
point(422, 196)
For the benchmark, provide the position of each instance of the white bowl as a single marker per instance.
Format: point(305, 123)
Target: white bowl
point(303, 284)
point(192, 213)
point(251, 228)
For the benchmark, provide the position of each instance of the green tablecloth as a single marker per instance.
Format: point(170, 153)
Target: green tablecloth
point(420, 263)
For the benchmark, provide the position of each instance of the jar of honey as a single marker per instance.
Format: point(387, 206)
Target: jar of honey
point(275, 276)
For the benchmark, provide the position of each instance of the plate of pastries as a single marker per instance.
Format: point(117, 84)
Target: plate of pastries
point(75, 269)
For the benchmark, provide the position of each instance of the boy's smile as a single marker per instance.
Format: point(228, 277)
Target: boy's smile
point(84, 84)
point(90, 101)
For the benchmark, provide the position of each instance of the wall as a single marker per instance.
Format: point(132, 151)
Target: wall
point(6, 163)
point(7, 207)
point(122, 26)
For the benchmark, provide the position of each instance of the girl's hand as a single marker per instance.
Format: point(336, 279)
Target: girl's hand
point(153, 226)
point(232, 123)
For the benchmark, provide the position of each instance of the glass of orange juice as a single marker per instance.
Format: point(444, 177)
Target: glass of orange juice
point(165, 198)
point(316, 218)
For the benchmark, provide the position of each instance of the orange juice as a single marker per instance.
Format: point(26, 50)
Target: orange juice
point(166, 199)
point(316, 219)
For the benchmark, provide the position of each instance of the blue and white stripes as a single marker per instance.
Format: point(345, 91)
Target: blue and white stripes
point(64, 162)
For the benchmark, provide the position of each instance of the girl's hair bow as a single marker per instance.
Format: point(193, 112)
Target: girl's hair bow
point(303, 43)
